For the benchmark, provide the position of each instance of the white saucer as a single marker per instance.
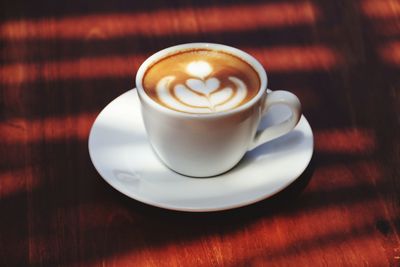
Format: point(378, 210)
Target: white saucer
point(120, 152)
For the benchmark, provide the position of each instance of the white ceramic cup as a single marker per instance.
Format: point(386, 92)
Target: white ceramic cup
point(202, 145)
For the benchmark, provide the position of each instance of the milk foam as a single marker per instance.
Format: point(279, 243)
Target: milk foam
point(200, 93)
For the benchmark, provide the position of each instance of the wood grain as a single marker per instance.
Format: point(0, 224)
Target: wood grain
point(60, 64)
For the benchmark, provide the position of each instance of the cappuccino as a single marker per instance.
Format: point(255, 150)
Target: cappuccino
point(201, 81)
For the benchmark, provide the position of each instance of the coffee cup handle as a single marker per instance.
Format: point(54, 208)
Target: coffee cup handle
point(277, 130)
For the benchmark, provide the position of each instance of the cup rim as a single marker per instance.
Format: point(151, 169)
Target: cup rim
point(188, 46)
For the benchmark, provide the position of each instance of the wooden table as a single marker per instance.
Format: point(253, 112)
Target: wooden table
point(61, 63)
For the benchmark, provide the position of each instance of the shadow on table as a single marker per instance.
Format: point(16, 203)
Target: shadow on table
point(46, 8)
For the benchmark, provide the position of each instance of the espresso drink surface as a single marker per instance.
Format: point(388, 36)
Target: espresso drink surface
point(201, 81)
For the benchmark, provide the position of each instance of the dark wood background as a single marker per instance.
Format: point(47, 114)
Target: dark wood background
point(62, 62)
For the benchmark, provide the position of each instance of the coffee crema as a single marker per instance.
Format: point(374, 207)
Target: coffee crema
point(201, 81)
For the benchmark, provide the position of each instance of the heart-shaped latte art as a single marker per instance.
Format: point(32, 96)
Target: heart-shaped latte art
point(201, 96)
point(201, 87)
